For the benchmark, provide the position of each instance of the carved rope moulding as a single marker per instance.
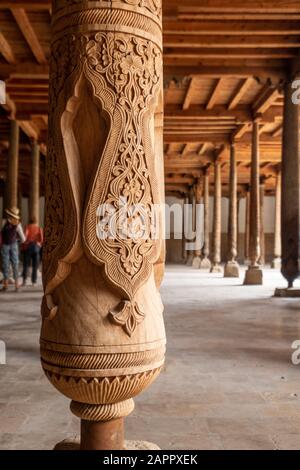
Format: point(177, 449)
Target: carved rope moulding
point(153, 6)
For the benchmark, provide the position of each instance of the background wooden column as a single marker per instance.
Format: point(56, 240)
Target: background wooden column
point(276, 263)
point(262, 258)
point(184, 228)
point(34, 196)
point(192, 225)
point(205, 261)
point(198, 225)
point(247, 227)
point(232, 267)
point(11, 199)
point(216, 255)
point(290, 210)
point(254, 275)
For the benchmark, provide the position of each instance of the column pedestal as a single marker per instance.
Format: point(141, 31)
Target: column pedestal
point(232, 269)
point(253, 276)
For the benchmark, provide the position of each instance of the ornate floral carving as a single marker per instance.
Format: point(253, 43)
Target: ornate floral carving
point(132, 68)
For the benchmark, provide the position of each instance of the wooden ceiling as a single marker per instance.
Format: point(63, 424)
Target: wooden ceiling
point(224, 63)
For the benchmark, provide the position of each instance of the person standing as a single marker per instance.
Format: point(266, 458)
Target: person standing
point(11, 233)
point(32, 249)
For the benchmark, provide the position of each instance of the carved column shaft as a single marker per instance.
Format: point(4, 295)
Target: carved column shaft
point(103, 338)
point(198, 225)
point(192, 225)
point(217, 220)
point(34, 196)
point(276, 264)
point(290, 210)
point(184, 228)
point(254, 274)
point(11, 198)
point(205, 262)
point(262, 257)
point(247, 227)
point(231, 267)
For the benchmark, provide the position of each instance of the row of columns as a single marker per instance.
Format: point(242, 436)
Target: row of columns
point(254, 227)
point(11, 197)
point(287, 207)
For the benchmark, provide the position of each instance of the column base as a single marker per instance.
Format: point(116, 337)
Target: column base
point(196, 262)
point(216, 268)
point(190, 260)
point(276, 263)
point(231, 269)
point(205, 264)
point(73, 443)
point(287, 292)
point(253, 276)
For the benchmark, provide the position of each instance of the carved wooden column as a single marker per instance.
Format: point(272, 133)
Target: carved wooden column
point(205, 261)
point(198, 226)
point(216, 256)
point(290, 210)
point(103, 338)
point(239, 198)
point(254, 275)
point(11, 199)
point(184, 228)
point(262, 257)
point(232, 267)
point(192, 225)
point(34, 196)
point(276, 263)
point(247, 227)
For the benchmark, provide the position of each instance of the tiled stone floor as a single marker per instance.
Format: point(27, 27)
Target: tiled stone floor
point(228, 383)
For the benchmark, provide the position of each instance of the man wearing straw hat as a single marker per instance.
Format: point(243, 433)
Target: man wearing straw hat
point(11, 231)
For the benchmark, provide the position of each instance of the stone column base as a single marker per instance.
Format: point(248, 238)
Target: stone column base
point(231, 269)
point(196, 262)
point(216, 268)
point(276, 263)
point(205, 264)
point(74, 444)
point(287, 292)
point(190, 260)
point(253, 277)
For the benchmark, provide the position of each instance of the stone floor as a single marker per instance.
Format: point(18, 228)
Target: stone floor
point(229, 382)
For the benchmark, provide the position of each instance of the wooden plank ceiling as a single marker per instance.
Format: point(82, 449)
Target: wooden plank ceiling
point(224, 63)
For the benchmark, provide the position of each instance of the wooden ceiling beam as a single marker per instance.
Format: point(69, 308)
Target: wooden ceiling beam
point(215, 95)
point(275, 72)
point(29, 34)
point(242, 88)
point(228, 42)
point(198, 138)
point(233, 28)
point(32, 5)
point(189, 94)
point(6, 50)
point(265, 101)
point(235, 54)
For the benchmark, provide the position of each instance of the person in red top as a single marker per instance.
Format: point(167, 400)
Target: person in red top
point(32, 248)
